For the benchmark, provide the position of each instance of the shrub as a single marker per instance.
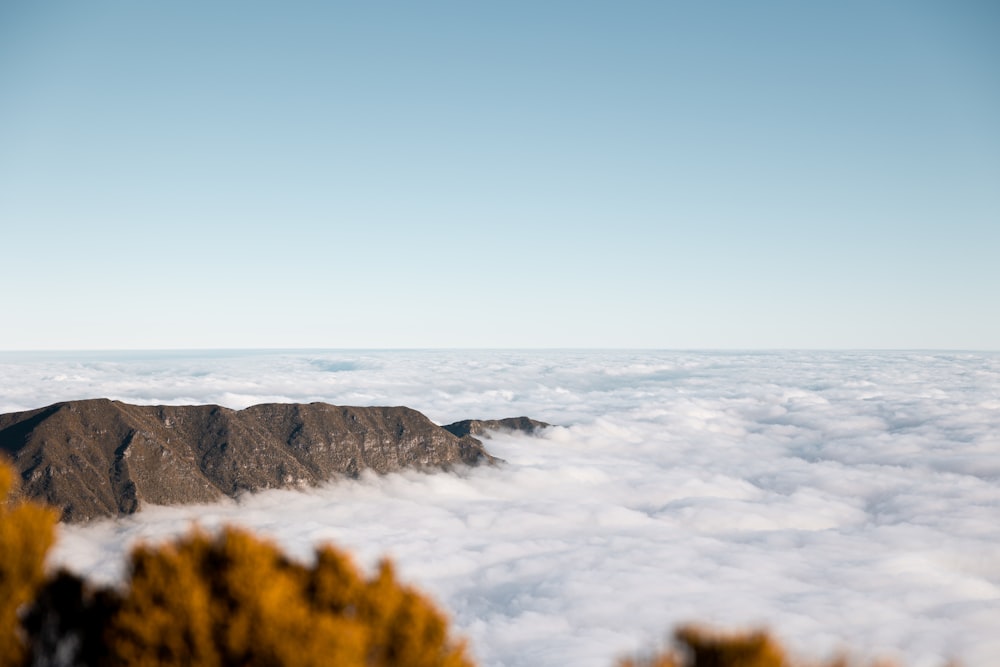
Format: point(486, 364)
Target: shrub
point(698, 646)
point(705, 648)
point(26, 533)
point(234, 599)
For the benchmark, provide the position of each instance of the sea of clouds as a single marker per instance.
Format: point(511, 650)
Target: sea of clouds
point(843, 499)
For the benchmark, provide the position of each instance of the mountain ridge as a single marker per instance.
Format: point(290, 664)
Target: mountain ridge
point(97, 458)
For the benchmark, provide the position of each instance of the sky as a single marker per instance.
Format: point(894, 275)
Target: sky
point(846, 500)
point(516, 174)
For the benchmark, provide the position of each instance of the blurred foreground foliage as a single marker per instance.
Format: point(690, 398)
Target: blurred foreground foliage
point(209, 601)
point(27, 530)
point(697, 646)
point(234, 599)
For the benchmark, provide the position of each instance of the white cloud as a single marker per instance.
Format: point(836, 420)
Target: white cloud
point(844, 499)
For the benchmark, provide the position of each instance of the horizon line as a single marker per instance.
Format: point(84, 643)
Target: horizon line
point(487, 349)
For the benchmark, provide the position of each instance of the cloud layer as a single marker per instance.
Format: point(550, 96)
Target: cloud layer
point(844, 499)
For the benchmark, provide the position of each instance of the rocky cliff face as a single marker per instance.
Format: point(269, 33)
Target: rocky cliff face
point(98, 458)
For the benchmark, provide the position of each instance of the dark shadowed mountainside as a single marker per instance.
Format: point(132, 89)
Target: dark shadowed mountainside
point(99, 458)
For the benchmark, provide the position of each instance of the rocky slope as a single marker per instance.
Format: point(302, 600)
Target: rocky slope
point(483, 427)
point(98, 458)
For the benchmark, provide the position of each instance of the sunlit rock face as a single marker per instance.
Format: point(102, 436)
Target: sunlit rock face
point(99, 458)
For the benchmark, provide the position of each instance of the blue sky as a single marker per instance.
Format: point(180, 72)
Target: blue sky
point(456, 174)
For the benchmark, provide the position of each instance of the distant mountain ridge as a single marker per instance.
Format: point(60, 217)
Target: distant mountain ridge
point(100, 458)
point(483, 427)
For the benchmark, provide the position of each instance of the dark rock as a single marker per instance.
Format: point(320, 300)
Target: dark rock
point(99, 458)
point(482, 427)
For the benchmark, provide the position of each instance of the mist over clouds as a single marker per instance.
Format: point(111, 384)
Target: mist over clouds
point(844, 499)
